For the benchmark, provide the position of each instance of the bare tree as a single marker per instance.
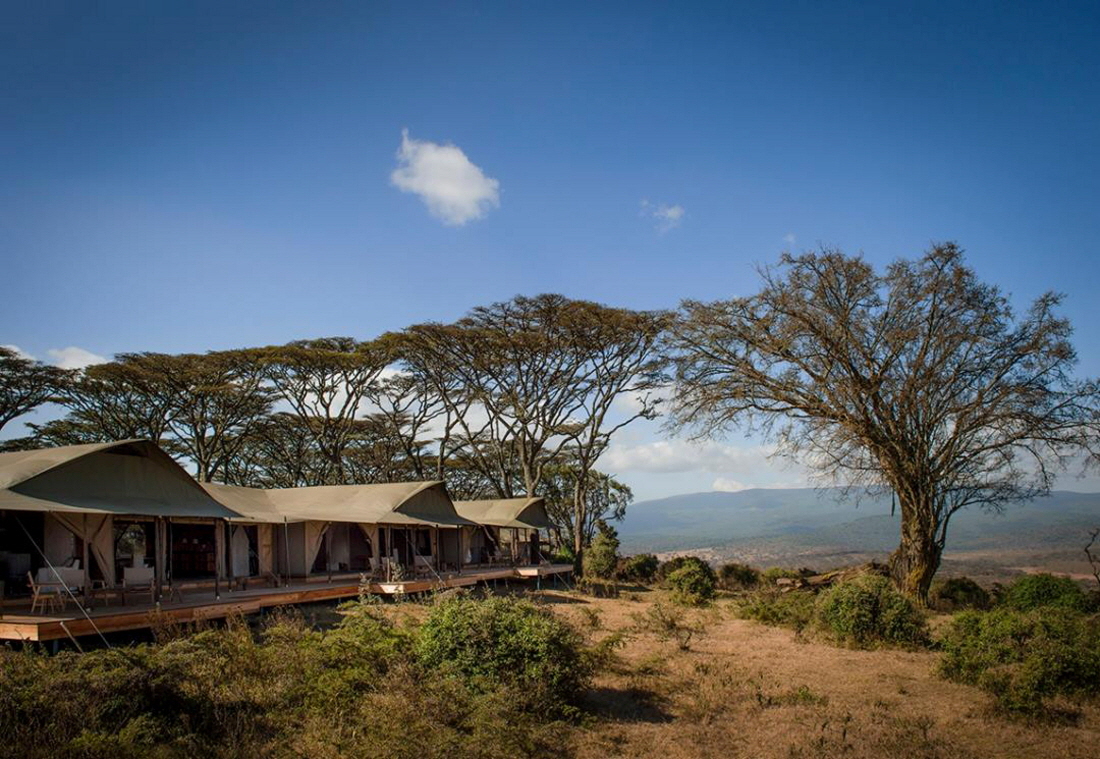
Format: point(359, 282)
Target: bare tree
point(921, 380)
point(26, 384)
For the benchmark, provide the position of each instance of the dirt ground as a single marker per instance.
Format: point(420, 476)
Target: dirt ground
point(743, 689)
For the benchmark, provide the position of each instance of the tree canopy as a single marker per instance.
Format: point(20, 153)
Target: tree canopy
point(920, 379)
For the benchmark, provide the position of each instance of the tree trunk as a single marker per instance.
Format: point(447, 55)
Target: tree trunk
point(579, 501)
point(915, 561)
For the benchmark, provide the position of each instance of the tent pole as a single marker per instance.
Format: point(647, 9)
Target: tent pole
point(286, 555)
point(84, 563)
point(328, 550)
point(228, 528)
point(158, 557)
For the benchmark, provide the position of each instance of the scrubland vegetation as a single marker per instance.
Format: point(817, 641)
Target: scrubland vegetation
point(746, 668)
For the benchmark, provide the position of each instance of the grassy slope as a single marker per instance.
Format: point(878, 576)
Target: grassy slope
point(747, 690)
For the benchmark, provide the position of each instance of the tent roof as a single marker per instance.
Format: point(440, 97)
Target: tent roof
point(528, 513)
point(123, 477)
point(412, 503)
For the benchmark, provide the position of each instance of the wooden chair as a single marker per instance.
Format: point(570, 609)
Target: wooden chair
point(138, 580)
point(422, 565)
point(50, 594)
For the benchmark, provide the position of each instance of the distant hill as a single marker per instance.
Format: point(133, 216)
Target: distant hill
point(774, 526)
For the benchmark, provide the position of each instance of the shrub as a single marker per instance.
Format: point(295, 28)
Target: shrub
point(601, 558)
point(1038, 590)
point(771, 574)
point(641, 568)
point(958, 593)
point(692, 584)
point(597, 588)
point(737, 577)
point(282, 690)
point(505, 641)
point(794, 609)
point(670, 566)
point(668, 623)
point(868, 609)
point(1023, 658)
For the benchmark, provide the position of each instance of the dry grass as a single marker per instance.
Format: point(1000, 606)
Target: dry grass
point(743, 689)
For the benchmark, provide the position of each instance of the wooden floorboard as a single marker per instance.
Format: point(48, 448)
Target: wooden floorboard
point(74, 624)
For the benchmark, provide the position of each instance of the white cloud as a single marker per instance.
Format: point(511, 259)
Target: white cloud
point(18, 351)
point(454, 189)
point(666, 456)
point(74, 358)
point(790, 238)
point(666, 216)
point(726, 485)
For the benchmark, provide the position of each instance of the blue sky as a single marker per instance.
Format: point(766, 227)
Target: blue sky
point(214, 175)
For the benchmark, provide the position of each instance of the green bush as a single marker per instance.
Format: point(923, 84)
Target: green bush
point(282, 690)
point(772, 607)
point(1038, 590)
point(735, 576)
point(670, 566)
point(505, 641)
point(641, 568)
point(692, 584)
point(1023, 658)
point(601, 558)
point(771, 574)
point(869, 609)
point(958, 593)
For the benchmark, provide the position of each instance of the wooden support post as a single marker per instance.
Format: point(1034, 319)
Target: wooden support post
point(328, 549)
point(84, 564)
point(159, 537)
point(229, 572)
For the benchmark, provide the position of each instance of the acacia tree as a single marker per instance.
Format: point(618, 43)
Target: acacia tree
point(120, 400)
point(532, 380)
point(606, 500)
point(25, 384)
point(217, 399)
point(325, 381)
point(921, 380)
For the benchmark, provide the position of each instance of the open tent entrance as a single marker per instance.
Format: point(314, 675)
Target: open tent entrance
point(194, 550)
point(135, 541)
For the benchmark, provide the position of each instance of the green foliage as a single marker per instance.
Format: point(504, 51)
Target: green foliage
point(735, 576)
point(692, 584)
point(284, 690)
point(641, 568)
point(794, 609)
point(1039, 590)
point(771, 574)
point(958, 593)
point(667, 623)
point(869, 609)
point(1023, 658)
point(601, 559)
point(563, 554)
point(505, 642)
point(670, 566)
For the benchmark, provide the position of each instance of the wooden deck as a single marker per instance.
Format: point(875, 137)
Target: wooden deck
point(200, 604)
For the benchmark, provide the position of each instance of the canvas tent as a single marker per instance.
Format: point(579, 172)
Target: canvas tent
point(81, 491)
point(332, 528)
point(507, 526)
